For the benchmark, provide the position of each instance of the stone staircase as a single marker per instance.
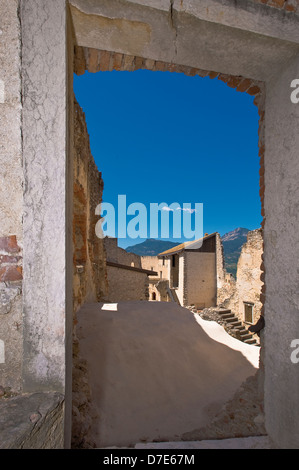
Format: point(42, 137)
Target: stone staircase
point(235, 326)
point(173, 295)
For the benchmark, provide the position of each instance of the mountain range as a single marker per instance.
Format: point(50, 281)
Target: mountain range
point(232, 245)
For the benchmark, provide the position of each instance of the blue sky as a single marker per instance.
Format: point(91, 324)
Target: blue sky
point(165, 137)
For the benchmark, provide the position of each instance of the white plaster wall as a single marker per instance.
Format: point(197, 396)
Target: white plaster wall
point(11, 174)
point(201, 279)
point(47, 227)
point(11, 188)
point(180, 291)
point(281, 248)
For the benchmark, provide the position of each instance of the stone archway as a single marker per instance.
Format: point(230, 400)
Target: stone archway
point(233, 39)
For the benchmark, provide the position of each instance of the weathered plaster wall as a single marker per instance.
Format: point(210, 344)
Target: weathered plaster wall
point(11, 197)
point(182, 290)
point(46, 180)
point(281, 247)
point(243, 37)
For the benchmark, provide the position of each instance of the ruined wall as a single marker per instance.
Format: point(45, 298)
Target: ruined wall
point(124, 284)
point(157, 284)
point(249, 284)
point(156, 264)
point(119, 255)
point(89, 267)
point(89, 261)
point(11, 198)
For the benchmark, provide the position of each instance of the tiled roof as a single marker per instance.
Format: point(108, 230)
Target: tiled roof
point(183, 246)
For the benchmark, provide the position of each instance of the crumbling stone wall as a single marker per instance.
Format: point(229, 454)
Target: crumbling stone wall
point(248, 285)
point(89, 264)
point(90, 283)
point(126, 279)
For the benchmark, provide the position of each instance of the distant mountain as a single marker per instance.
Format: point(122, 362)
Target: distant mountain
point(150, 247)
point(232, 246)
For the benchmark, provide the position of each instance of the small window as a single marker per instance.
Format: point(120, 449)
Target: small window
point(161, 274)
point(163, 262)
point(248, 312)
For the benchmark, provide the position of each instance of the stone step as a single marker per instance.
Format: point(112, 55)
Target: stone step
point(225, 316)
point(237, 324)
point(243, 331)
point(250, 341)
point(223, 311)
point(231, 319)
point(244, 337)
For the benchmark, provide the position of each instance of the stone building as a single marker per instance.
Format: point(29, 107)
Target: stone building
point(252, 46)
point(159, 282)
point(127, 279)
point(195, 271)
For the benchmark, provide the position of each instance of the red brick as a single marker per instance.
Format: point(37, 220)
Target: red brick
point(6, 259)
point(254, 90)
point(160, 66)
point(11, 273)
point(244, 85)
point(93, 61)
point(105, 61)
point(213, 75)
point(290, 7)
point(117, 61)
point(139, 63)
point(276, 3)
point(9, 244)
point(233, 82)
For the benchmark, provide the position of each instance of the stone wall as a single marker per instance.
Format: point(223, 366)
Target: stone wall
point(248, 285)
point(11, 198)
point(118, 255)
point(90, 283)
point(158, 285)
point(89, 266)
point(126, 278)
point(201, 279)
point(126, 284)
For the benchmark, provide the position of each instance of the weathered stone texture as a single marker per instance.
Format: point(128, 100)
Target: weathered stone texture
point(248, 285)
point(33, 421)
point(242, 416)
point(124, 284)
point(89, 266)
